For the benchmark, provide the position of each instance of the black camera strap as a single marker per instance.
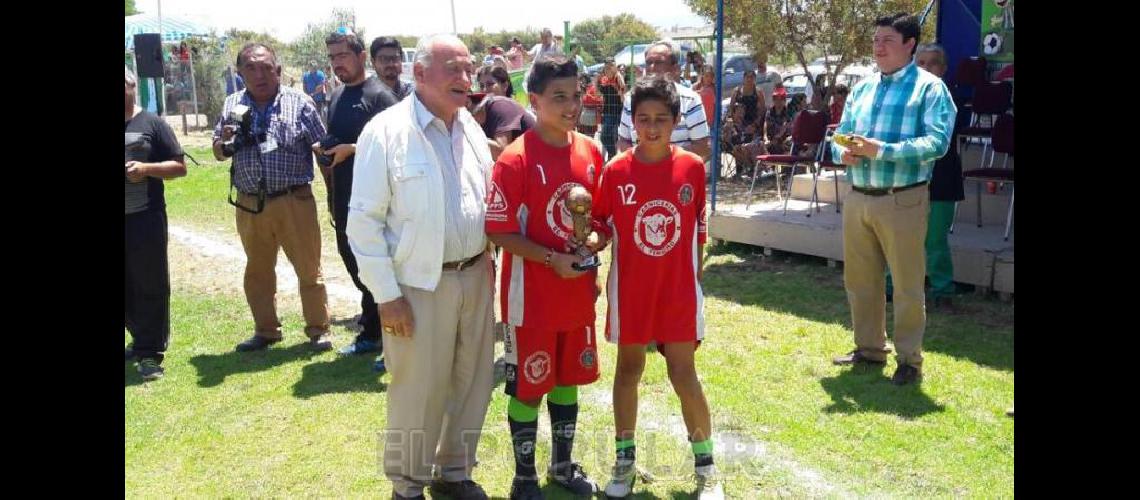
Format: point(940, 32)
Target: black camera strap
point(262, 188)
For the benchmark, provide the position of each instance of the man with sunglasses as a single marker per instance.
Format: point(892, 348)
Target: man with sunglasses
point(350, 107)
point(388, 61)
point(272, 171)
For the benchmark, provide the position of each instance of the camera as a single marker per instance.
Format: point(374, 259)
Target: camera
point(327, 142)
point(240, 121)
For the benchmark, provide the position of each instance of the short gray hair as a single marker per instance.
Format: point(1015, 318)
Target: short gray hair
point(933, 47)
point(674, 57)
point(131, 79)
point(425, 44)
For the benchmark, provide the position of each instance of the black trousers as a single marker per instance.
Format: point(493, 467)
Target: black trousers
point(369, 311)
point(147, 281)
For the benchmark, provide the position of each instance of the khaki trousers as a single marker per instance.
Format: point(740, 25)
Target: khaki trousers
point(442, 378)
point(879, 231)
point(288, 221)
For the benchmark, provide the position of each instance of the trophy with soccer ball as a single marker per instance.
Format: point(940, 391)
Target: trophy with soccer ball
point(579, 203)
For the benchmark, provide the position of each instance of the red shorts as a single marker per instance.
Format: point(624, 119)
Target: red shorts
point(537, 360)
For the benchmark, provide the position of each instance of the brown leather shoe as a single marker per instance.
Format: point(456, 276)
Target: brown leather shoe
point(321, 343)
point(459, 490)
point(906, 374)
point(856, 356)
point(256, 343)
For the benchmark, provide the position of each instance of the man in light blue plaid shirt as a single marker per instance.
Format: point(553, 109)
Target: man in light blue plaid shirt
point(899, 121)
point(276, 208)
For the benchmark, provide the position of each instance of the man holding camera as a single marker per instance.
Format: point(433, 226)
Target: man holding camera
point(269, 130)
point(350, 108)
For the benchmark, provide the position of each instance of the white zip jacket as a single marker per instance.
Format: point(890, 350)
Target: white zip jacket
point(396, 211)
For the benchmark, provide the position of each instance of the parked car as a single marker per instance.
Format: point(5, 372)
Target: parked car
point(735, 65)
point(797, 82)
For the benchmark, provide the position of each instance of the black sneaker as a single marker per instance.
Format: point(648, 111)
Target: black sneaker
point(905, 374)
point(256, 343)
point(150, 369)
point(459, 490)
point(857, 357)
point(526, 489)
point(573, 478)
point(397, 496)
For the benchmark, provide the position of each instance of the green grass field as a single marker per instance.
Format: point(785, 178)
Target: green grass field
point(288, 422)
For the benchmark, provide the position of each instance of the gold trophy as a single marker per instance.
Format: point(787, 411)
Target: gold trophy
point(579, 203)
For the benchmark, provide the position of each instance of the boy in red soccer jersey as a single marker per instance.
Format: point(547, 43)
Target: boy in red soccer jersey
point(653, 199)
point(547, 304)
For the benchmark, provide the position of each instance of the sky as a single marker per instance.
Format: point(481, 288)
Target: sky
point(286, 19)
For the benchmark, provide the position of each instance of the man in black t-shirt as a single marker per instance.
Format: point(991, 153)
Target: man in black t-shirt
point(351, 106)
point(152, 154)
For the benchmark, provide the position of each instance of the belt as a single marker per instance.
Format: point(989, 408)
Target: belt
point(287, 190)
point(460, 265)
point(886, 191)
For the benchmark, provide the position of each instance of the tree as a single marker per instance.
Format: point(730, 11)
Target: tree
point(406, 41)
point(801, 29)
point(478, 40)
point(131, 10)
point(310, 46)
point(605, 36)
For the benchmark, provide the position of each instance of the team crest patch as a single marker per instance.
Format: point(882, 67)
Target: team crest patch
point(657, 228)
point(589, 358)
point(558, 217)
point(537, 367)
point(496, 202)
point(685, 195)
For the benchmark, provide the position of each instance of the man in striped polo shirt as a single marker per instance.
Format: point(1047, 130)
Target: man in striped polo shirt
point(898, 122)
point(692, 132)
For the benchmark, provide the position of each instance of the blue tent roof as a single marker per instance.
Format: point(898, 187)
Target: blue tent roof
point(173, 29)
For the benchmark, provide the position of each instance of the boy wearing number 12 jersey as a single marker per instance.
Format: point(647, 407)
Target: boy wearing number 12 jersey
point(653, 199)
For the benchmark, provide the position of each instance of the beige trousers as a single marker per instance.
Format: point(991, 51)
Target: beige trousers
point(879, 231)
point(442, 378)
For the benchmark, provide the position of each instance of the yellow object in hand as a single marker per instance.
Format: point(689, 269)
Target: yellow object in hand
point(846, 140)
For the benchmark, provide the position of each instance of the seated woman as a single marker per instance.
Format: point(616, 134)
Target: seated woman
point(740, 138)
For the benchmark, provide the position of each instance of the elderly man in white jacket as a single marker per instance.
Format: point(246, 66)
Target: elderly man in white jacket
point(415, 224)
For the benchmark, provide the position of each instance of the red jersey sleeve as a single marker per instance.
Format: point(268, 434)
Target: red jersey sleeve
point(505, 194)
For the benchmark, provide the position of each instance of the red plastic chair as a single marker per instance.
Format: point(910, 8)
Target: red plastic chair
point(991, 99)
point(809, 128)
point(1002, 139)
point(971, 71)
point(824, 162)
